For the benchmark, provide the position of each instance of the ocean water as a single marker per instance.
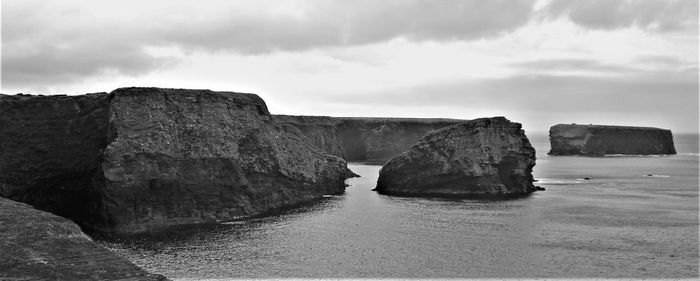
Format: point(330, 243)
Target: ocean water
point(636, 217)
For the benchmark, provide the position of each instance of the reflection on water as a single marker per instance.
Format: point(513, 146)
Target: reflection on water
point(620, 223)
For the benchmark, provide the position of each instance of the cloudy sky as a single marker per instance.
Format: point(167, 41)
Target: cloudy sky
point(538, 62)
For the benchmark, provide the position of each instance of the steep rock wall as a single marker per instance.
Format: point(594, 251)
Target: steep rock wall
point(50, 147)
point(188, 156)
point(599, 140)
point(37, 245)
point(365, 138)
point(145, 158)
point(320, 130)
point(481, 157)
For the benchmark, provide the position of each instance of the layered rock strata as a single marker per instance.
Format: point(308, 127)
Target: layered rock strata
point(599, 140)
point(364, 139)
point(37, 245)
point(481, 157)
point(155, 157)
point(320, 130)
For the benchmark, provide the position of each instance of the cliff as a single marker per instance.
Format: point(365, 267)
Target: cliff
point(50, 149)
point(599, 140)
point(145, 158)
point(364, 138)
point(481, 157)
point(320, 130)
point(188, 156)
point(37, 245)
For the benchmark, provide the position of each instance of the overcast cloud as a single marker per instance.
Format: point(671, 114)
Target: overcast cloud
point(668, 15)
point(372, 57)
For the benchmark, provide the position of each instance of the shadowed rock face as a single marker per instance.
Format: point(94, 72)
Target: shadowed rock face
point(364, 138)
point(41, 246)
point(162, 157)
point(481, 157)
point(599, 140)
point(50, 148)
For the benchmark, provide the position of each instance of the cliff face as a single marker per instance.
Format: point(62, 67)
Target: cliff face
point(364, 138)
point(599, 140)
point(50, 147)
point(481, 157)
point(320, 130)
point(145, 158)
point(41, 246)
point(187, 156)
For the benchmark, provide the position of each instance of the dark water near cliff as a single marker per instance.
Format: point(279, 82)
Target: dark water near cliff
point(621, 223)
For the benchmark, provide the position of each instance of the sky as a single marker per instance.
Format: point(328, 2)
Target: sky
point(537, 62)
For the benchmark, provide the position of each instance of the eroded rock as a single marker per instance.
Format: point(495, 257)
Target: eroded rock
point(145, 158)
point(481, 157)
point(189, 156)
point(37, 245)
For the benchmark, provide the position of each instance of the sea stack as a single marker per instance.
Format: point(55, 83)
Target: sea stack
point(138, 159)
point(482, 157)
point(599, 140)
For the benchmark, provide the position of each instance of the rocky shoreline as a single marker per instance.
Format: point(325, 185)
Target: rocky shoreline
point(147, 159)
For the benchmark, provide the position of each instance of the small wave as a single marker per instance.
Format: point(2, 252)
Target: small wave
point(636, 155)
point(691, 154)
point(558, 181)
point(234, 222)
point(656, 176)
point(328, 196)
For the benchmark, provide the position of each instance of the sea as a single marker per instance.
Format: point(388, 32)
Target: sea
point(603, 217)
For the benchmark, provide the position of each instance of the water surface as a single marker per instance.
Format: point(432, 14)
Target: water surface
point(621, 223)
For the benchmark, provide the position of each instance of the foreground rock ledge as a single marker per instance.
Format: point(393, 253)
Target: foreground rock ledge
point(482, 157)
point(599, 140)
point(37, 245)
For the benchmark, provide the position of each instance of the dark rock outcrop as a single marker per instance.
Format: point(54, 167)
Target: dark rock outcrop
point(146, 158)
point(367, 139)
point(50, 148)
point(187, 156)
point(599, 140)
point(481, 157)
point(37, 245)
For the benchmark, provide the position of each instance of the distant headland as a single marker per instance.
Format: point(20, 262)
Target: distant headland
point(599, 140)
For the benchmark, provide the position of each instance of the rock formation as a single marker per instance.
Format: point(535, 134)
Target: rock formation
point(143, 158)
point(50, 149)
point(364, 139)
point(320, 130)
point(37, 245)
point(599, 140)
point(481, 157)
